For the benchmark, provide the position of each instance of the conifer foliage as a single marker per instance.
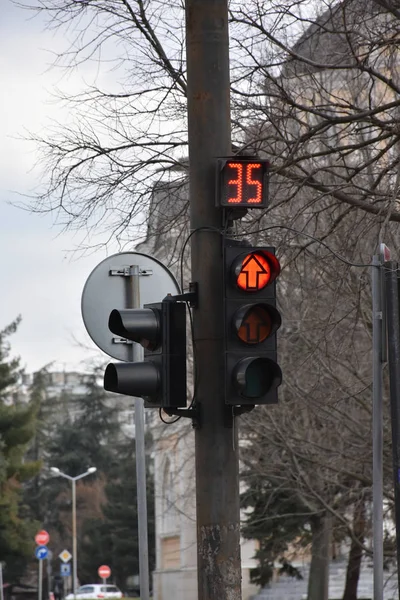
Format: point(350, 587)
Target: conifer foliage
point(17, 427)
point(113, 538)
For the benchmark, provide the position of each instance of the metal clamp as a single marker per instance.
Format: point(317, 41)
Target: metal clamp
point(126, 272)
point(244, 408)
point(120, 340)
point(187, 413)
point(192, 296)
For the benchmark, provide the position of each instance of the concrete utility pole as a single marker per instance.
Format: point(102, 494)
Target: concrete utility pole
point(217, 481)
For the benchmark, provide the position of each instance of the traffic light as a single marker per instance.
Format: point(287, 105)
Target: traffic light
point(161, 378)
point(252, 374)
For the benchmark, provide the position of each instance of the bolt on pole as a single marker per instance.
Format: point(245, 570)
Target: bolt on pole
point(216, 447)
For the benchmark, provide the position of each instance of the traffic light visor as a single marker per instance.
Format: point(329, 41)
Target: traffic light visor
point(254, 323)
point(253, 271)
point(133, 379)
point(140, 325)
point(255, 376)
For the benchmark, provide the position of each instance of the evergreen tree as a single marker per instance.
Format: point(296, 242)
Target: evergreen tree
point(114, 540)
point(89, 432)
point(276, 518)
point(40, 492)
point(78, 428)
point(17, 427)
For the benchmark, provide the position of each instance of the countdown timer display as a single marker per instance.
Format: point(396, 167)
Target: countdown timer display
point(242, 183)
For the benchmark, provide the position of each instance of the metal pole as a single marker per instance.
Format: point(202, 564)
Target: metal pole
point(377, 425)
point(217, 481)
point(49, 572)
point(40, 579)
point(137, 356)
point(74, 545)
point(1, 582)
point(393, 332)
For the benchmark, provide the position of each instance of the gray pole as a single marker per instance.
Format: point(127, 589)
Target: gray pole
point(393, 335)
point(1, 581)
point(74, 540)
point(217, 481)
point(137, 352)
point(49, 572)
point(40, 595)
point(74, 544)
point(377, 424)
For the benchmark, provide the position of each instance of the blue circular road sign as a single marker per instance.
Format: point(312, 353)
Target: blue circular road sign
point(41, 552)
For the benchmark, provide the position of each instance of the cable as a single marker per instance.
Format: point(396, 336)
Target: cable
point(186, 242)
point(167, 422)
point(341, 258)
point(195, 378)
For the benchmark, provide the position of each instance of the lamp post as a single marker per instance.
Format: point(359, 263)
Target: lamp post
point(57, 471)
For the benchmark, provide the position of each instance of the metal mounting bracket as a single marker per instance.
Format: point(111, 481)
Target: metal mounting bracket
point(127, 272)
point(188, 413)
point(192, 296)
point(120, 340)
point(240, 410)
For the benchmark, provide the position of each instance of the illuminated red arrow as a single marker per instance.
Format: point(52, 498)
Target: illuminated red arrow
point(255, 273)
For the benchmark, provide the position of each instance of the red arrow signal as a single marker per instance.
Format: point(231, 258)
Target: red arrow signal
point(255, 272)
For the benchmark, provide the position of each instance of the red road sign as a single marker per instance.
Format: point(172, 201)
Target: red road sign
point(104, 571)
point(42, 538)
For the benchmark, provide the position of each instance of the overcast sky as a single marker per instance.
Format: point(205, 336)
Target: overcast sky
point(41, 280)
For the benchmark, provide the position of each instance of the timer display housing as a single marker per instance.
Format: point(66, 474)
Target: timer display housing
point(242, 182)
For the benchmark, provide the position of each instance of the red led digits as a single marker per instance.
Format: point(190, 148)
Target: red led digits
point(242, 182)
point(237, 182)
point(258, 197)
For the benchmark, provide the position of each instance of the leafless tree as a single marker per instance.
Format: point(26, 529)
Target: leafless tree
point(315, 88)
point(318, 91)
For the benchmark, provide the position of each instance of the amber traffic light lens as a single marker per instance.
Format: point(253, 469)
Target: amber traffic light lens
point(254, 271)
point(254, 323)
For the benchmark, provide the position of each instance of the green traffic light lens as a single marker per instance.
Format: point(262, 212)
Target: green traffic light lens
point(258, 379)
point(254, 377)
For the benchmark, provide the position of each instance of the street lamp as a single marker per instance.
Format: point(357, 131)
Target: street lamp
point(57, 471)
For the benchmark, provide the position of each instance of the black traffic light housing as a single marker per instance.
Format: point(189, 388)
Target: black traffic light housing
point(252, 374)
point(161, 378)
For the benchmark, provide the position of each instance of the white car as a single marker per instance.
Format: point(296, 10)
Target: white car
point(96, 590)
